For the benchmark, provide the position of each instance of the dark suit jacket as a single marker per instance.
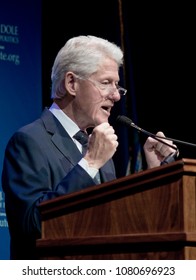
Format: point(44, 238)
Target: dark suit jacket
point(41, 163)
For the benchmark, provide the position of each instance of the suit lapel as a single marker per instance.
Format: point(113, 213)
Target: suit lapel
point(60, 137)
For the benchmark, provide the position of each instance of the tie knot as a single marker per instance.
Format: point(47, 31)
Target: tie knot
point(81, 137)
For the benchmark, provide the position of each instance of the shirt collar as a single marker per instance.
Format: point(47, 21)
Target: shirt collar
point(65, 121)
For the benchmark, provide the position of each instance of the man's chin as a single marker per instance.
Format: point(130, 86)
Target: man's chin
point(102, 120)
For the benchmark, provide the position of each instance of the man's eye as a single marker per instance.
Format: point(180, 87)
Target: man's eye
point(106, 83)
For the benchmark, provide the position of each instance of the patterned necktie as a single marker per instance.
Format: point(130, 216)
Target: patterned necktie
point(82, 138)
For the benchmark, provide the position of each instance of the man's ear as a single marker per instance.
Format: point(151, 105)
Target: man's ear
point(70, 83)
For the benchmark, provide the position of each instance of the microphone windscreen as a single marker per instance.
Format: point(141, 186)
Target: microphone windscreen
point(124, 120)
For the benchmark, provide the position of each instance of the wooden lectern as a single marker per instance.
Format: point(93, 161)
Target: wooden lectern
point(149, 215)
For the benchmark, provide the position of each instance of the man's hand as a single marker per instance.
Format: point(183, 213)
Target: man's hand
point(156, 152)
point(102, 145)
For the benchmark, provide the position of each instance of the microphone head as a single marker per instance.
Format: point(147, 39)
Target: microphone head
point(124, 120)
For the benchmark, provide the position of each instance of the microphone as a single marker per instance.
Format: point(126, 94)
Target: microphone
point(128, 122)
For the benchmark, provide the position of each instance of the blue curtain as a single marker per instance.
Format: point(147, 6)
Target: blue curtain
point(134, 153)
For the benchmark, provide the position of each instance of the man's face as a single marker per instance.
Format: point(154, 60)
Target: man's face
point(95, 96)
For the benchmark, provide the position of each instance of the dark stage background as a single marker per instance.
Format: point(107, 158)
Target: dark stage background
point(159, 45)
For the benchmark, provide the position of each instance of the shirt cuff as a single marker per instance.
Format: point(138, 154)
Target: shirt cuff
point(90, 170)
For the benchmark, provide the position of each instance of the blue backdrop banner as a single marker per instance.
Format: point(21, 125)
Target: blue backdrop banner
point(20, 80)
